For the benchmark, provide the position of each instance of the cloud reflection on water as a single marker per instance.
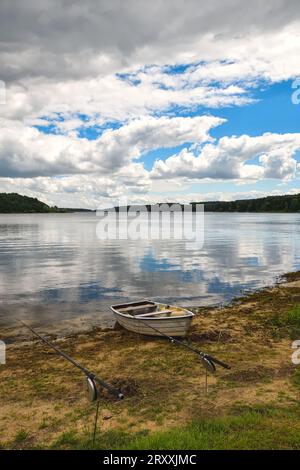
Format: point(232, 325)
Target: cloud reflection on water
point(58, 259)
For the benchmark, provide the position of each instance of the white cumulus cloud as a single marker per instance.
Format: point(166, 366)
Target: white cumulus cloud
point(26, 151)
point(235, 158)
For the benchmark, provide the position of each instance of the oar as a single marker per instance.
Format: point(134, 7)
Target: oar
point(207, 360)
point(87, 372)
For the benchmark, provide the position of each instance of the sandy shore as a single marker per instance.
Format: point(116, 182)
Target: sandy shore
point(44, 404)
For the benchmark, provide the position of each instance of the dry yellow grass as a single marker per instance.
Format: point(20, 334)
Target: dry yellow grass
point(42, 396)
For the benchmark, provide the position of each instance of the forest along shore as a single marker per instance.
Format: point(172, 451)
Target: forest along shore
point(253, 405)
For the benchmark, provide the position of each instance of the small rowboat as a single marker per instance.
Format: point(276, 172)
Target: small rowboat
point(151, 318)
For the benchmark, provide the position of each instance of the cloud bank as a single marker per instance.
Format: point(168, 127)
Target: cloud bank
point(93, 87)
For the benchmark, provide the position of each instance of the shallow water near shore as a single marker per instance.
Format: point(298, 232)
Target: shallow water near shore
point(255, 405)
point(55, 271)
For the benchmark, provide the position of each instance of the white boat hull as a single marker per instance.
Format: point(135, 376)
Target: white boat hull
point(172, 326)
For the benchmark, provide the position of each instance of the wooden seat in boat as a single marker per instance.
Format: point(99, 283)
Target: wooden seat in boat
point(159, 312)
point(138, 308)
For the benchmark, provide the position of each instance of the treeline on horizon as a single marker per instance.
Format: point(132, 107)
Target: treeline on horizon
point(15, 203)
point(286, 203)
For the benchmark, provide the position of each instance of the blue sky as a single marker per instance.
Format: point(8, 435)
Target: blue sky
point(272, 111)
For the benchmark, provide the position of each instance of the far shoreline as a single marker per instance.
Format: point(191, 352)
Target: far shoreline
point(93, 211)
point(287, 203)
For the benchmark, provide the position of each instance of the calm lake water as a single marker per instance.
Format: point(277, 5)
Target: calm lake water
point(54, 268)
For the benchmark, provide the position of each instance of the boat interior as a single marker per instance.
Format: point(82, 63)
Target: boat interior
point(149, 309)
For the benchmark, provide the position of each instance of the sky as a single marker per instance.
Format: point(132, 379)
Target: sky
point(110, 102)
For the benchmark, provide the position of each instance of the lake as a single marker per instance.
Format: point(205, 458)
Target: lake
point(55, 270)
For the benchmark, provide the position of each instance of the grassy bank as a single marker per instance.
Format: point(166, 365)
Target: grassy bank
point(252, 406)
point(256, 427)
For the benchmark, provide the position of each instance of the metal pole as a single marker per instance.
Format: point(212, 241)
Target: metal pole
point(87, 372)
point(96, 420)
point(197, 351)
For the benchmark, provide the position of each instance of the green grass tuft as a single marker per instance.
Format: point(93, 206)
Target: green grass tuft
point(21, 436)
point(66, 440)
point(296, 378)
point(251, 430)
point(289, 321)
point(259, 427)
